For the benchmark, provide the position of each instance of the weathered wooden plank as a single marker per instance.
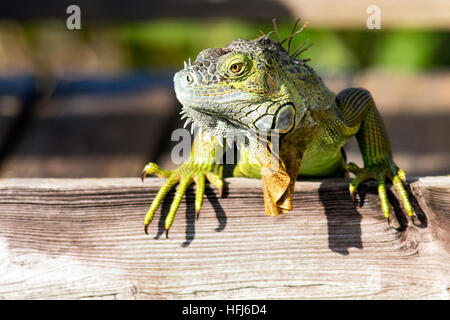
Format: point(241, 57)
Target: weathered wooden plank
point(84, 239)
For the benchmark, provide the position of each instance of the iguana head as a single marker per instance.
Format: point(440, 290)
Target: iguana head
point(245, 87)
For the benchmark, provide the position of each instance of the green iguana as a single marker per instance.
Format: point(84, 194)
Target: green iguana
point(249, 88)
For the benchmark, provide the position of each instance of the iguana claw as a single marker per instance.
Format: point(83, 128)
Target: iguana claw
point(353, 195)
point(380, 172)
point(153, 168)
point(184, 176)
point(143, 174)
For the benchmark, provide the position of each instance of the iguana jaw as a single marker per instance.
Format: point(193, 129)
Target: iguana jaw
point(212, 125)
point(216, 114)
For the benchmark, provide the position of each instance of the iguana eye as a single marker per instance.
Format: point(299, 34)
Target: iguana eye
point(189, 79)
point(236, 67)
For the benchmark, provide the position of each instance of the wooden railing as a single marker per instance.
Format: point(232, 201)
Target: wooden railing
point(84, 238)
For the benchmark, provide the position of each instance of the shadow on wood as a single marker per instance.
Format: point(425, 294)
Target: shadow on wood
point(84, 238)
point(343, 220)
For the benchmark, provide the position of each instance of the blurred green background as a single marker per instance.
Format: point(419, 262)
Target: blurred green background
point(161, 43)
point(165, 43)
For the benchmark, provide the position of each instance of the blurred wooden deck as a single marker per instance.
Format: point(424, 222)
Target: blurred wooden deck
point(84, 239)
point(115, 133)
point(343, 13)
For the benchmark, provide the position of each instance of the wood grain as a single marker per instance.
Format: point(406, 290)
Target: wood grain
point(84, 239)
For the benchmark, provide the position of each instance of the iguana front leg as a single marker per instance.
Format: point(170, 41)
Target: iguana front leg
point(199, 167)
point(358, 109)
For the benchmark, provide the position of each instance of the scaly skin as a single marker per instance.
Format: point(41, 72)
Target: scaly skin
point(256, 90)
